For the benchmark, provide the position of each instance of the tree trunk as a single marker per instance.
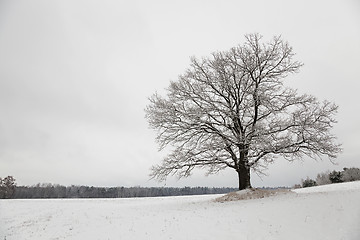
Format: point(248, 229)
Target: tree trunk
point(244, 177)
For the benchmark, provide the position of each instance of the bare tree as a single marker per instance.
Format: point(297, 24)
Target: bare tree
point(351, 174)
point(233, 110)
point(323, 178)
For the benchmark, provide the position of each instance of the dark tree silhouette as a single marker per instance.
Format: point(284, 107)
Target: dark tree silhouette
point(7, 187)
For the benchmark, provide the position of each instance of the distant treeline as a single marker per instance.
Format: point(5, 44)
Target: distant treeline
point(58, 191)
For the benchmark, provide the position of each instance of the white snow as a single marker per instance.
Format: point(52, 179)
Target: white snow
point(326, 212)
point(349, 186)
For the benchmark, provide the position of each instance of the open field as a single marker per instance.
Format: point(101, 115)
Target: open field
point(326, 212)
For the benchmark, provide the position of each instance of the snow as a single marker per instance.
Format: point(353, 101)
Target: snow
point(349, 186)
point(325, 212)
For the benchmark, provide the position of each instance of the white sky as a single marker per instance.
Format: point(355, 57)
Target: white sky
point(75, 77)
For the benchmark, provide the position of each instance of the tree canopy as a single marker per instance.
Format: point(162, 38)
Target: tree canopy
point(7, 187)
point(232, 110)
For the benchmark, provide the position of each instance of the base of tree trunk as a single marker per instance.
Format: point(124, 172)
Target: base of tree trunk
point(244, 178)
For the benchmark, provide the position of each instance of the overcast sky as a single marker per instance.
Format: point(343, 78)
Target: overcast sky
point(75, 77)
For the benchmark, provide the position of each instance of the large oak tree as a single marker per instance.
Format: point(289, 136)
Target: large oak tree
point(232, 110)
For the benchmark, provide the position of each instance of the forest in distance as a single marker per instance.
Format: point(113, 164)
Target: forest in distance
point(57, 191)
point(9, 188)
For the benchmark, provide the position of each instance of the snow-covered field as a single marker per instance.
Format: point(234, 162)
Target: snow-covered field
point(326, 212)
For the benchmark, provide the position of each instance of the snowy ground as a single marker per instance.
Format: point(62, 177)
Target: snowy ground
point(326, 212)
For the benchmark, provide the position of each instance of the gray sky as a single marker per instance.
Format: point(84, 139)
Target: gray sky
point(75, 77)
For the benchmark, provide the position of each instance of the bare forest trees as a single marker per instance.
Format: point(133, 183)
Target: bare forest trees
point(232, 110)
point(48, 190)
